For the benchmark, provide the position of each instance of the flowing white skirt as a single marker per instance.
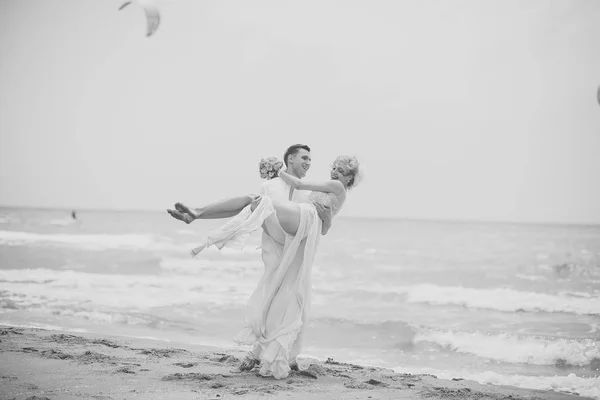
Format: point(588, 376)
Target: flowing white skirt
point(277, 311)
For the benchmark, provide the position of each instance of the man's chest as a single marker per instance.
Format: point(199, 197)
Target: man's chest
point(279, 190)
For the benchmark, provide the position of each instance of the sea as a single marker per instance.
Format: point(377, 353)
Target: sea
point(498, 303)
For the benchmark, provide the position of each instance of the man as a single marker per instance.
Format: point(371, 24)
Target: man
point(297, 159)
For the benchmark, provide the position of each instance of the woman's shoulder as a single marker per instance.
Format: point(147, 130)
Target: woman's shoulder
point(339, 187)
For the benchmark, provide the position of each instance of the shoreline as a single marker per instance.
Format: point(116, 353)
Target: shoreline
point(59, 364)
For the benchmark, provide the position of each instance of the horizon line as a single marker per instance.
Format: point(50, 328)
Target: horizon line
point(400, 218)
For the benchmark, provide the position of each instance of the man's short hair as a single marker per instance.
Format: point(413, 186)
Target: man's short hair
point(293, 150)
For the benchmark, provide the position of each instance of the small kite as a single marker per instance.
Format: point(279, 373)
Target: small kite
point(152, 15)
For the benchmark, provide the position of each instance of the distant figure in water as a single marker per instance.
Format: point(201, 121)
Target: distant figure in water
point(66, 221)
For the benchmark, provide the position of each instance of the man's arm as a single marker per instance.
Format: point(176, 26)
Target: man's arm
point(264, 189)
point(325, 215)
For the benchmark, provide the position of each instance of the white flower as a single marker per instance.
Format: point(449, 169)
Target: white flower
point(269, 167)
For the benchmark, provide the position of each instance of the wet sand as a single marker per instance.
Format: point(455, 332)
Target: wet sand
point(38, 364)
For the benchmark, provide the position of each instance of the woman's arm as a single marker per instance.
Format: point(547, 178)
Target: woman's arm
point(330, 186)
point(326, 226)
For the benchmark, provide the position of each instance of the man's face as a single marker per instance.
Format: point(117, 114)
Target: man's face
point(300, 163)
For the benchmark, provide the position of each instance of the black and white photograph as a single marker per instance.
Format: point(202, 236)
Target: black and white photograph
point(300, 200)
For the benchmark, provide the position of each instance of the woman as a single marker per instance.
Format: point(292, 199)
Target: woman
point(277, 311)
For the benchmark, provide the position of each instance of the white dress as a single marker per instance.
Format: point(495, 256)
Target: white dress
point(277, 311)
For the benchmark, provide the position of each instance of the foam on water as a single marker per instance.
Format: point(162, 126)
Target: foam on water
point(63, 222)
point(106, 317)
point(501, 299)
point(516, 349)
point(99, 242)
point(497, 299)
point(34, 287)
point(90, 241)
point(202, 265)
point(531, 277)
point(569, 383)
point(42, 326)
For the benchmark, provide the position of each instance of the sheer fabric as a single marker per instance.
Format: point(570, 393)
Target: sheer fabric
point(277, 312)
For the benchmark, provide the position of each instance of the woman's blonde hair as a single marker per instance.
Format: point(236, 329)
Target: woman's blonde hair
point(353, 166)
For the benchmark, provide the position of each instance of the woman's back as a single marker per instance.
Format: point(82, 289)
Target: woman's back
point(329, 200)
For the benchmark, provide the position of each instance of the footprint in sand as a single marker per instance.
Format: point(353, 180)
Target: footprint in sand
point(125, 370)
point(186, 365)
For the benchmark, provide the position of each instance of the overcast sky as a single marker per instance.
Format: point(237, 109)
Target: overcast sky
point(463, 109)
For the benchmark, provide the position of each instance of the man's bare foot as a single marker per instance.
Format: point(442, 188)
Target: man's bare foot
point(248, 364)
point(182, 208)
point(188, 219)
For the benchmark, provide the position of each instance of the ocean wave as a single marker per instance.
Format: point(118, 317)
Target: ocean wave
point(89, 241)
point(568, 384)
point(99, 242)
point(46, 287)
point(517, 349)
point(107, 317)
point(10, 219)
point(249, 249)
point(573, 270)
point(577, 294)
point(531, 277)
point(41, 326)
point(394, 328)
point(201, 266)
point(501, 299)
point(63, 222)
point(497, 299)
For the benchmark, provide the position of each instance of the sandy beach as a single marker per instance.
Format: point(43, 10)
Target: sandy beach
point(48, 364)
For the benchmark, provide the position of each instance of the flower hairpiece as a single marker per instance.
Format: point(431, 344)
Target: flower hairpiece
point(269, 167)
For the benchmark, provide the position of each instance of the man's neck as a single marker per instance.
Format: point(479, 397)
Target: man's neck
point(292, 173)
point(291, 193)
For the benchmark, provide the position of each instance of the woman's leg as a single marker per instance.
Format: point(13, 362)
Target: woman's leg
point(288, 214)
point(221, 209)
point(272, 228)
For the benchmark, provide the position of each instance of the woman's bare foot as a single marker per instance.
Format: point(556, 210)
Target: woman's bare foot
point(188, 219)
point(182, 208)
